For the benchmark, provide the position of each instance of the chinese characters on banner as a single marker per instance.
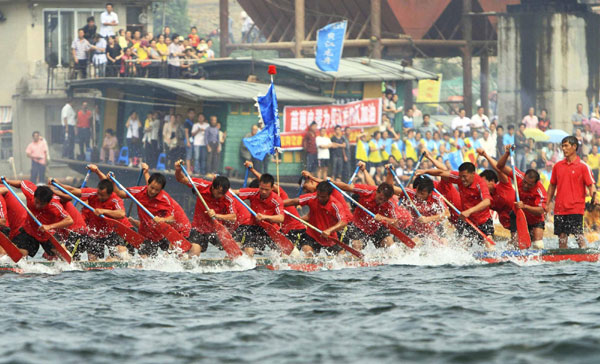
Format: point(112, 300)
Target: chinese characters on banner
point(296, 119)
point(330, 44)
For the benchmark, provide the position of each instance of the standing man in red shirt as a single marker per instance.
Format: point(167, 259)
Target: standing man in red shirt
point(83, 129)
point(326, 214)
point(268, 207)
point(570, 179)
point(46, 207)
point(533, 199)
point(309, 143)
point(476, 200)
point(219, 203)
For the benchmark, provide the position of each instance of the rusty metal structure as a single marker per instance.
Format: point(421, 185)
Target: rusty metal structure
point(379, 29)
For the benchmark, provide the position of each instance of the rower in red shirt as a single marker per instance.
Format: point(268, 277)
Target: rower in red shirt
point(428, 203)
point(309, 183)
point(293, 229)
point(533, 199)
point(570, 180)
point(219, 203)
point(46, 207)
point(268, 207)
point(476, 200)
point(363, 227)
point(4, 224)
point(326, 214)
point(502, 193)
point(16, 214)
point(154, 198)
point(446, 189)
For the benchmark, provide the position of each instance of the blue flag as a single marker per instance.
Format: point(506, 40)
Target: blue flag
point(330, 44)
point(266, 140)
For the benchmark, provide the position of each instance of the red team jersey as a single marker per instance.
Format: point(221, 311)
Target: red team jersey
point(447, 189)
point(367, 198)
point(473, 195)
point(52, 213)
point(222, 206)
point(78, 225)
point(289, 223)
point(17, 215)
point(97, 226)
point(182, 223)
point(571, 180)
point(272, 205)
point(323, 216)
point(242, 215)
point(160, 205)
point(431, 207)
point(503, 202)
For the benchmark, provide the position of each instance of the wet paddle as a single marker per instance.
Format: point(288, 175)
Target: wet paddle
point(281, 240)
point(353, 175)
point(87, 175)
point(523, 236)
point(10, 248)
point(227, 241)
point(394, 230)
point(167, 230)
point(337, 241)
point(130, 236)
point(137, 184)
point(467, 220)
point(62, 252)
point(245, 178)
point(412, 204)
point(415, 169)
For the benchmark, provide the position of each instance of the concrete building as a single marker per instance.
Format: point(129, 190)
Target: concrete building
point(34, 34)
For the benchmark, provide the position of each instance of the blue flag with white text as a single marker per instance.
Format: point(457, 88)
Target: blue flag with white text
point(330, 44)
point(266, 140)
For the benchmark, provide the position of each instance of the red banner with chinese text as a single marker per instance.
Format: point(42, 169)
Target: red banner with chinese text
point(357, 115)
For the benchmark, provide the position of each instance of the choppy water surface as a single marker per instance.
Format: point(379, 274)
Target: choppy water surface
point(428, 307)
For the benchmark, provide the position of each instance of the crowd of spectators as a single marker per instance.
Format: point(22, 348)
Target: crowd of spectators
point(105, 53)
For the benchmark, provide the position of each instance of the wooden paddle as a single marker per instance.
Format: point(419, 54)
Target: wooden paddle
point(353, 175)
point(394, 230)
point(227, 241)
point(415, 169)
point(467, 220)
point(523, 236)
point(281, 240)
point(337, 241)
point(10, 248)
point(62, 252)
point(130, 236)
point(87, 175)
point(137, 184)
point(167, 230)
point(412, 204)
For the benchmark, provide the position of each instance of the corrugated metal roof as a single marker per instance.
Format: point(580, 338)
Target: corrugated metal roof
point(351, 69)
point(208, 90)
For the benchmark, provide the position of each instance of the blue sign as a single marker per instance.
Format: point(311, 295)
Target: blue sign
point(330, 44)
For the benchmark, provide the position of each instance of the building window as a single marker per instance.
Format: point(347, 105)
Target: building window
point(60, 28)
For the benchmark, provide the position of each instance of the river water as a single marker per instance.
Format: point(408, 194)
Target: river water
point(436, 305)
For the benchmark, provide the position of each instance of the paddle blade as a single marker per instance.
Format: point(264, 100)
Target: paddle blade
point(522, 230)
point(227, 241)
point(282, 242)
point(348, 248)
point(402, 236)
point(62, 252)
point(10, 248)
point(175, 237)
point(130, 236)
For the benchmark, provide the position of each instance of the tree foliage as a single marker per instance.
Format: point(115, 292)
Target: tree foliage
point(176, 16)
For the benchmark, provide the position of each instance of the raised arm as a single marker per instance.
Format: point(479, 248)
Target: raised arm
point(433, 172)
point(94, 168)
point(366, 175)
point(501, 176)
point(501, 165)
point(116, 188)
point(179, 176)
point(436, 163)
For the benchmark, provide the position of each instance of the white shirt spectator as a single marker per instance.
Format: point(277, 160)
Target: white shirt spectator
point(155, 129)
point(323, 153)
point(199, 139)
point(479, 122)
point(462, 124)
point(133, 131)
point(81, 47)
point(68, 113)
point(100, 54)
point(174, 48)
point(105, 17)
point(489, 146)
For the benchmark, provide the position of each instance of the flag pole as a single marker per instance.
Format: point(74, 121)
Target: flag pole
point(273, 71)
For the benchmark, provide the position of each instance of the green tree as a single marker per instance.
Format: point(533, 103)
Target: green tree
point(175, 16)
